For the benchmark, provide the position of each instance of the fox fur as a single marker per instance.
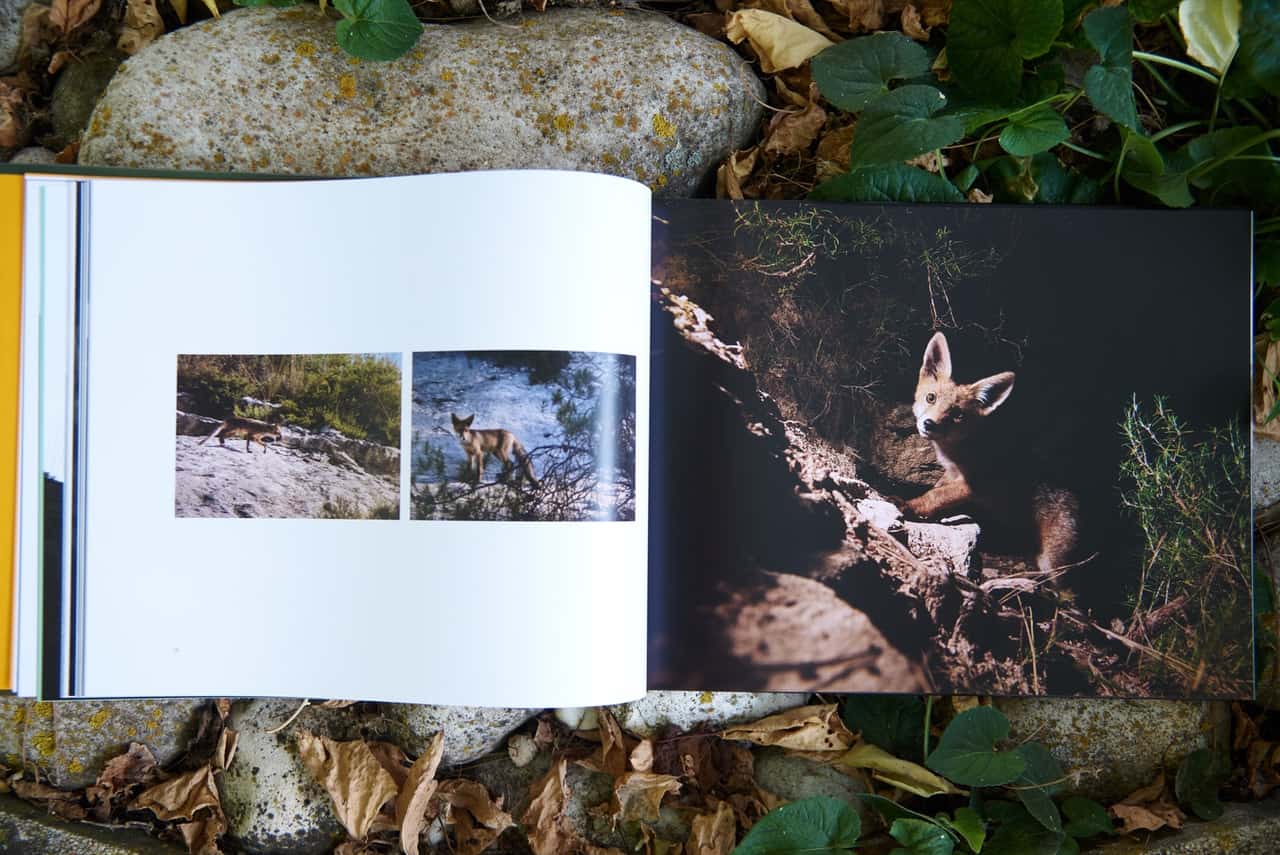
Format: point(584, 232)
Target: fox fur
point(501, 443)
point(251, 429)
point(983, 473)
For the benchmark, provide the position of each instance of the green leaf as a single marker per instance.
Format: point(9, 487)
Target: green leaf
point(1255, 183)
point(1200, 775)
point(968, 824)
point(1148, 11)
point(1040, 779)
point(377, 29)
point(893, 722)
point(1266, 263)
point(1073, 9)
point(818, 825)
point(967, 752)
point(920, 838)
point(896, 183)
point(1144, 167)
point(1033, 132)
point(855, 72)
point(1085, 817)
point(1019, 834)
point(276, 4)
point(891, 810)
point(987, 41)
point(964, 178)
point(1211, 29)
point(1110, 85)
point(901, 124)
point(1258, 58)
point(1060, 186)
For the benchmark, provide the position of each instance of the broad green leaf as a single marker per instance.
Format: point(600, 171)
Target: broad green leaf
point(815, 826)
point(987, 41)
point(1148, 11)
point(1011, 179)
point(920, 838)
point(896, 772)
point(1085, 818)
point(1019, 834)
point(891, 810)
point(1110, 84)
point(1258, 58)
point(377, 29)
point(1033, 132)
point(902, 124)
point(1040, 779)
point(1060, 186)
point(968, 824)
point(896, 183)
point(894, 722)
point(964, 178)
point(967, 752)
point(1233, 180)
point(1212, 31)
point(855, 72)
point(1200, 775)
point(1073, 9)
point(1266, 269)
point(1145, 168)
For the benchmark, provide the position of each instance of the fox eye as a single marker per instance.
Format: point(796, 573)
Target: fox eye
point(957, 416)
point(930, 398)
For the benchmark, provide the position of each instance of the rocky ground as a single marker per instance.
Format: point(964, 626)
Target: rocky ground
point(632, 93)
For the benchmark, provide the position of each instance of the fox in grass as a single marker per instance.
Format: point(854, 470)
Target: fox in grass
point(251, 429)
point(982, 471)
point(502, 444)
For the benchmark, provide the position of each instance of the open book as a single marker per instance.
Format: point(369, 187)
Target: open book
point(538, 439)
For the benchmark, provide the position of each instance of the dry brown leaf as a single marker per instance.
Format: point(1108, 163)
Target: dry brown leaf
point(899, 773)
point(642, 756)
point(35, 29)
point(59, 802)
point(811, 728)
point(58, 60)
point(713, 833)
point(223, 707)
point(545, 733)
point(800, 11)
point(736, 167)
point(611, 756)
point(353, 777)
point(142, 26)
point(862, 15)
point(779, 42)
point(542, 819)
point(13, 125)
point(935, 13)
point(69, 154)
point(912, 24)
point(832, 153)
point(180, 797)
point(1151, 817)
point(392, 759)
point(225, 752)
point(201, 835)
point(637, 795)
point(794, 132)
point(1149, 793)
point(478, 819)
point(336, 705)
point(136, 766)
point(1265, 378)
point(976, 194)
point(415, 794)
point(66, 16)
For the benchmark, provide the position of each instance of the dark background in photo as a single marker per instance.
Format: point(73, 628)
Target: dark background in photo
point(566, 417)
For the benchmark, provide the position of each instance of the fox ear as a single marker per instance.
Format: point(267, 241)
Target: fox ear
point(993, 391)
point(937, 358)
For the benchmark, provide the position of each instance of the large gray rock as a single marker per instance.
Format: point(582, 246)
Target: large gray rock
point(1109, 748)
point(469, 732)
point(647, 717)
point(70, 741)
point(1243, 829)
point(1266, 472)
point(35, 155)
point(791, 778)
point(272, 802)
point(11, 30)
point(29, 830)
point(79, 85)
point(268, 90)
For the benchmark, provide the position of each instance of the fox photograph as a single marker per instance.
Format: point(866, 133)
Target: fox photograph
point(524, 435)
point(950, 455)
point(304, 436)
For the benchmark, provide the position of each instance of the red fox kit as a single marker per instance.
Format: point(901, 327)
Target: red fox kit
point(251, 429)
point(982, 471)
point(502, 444)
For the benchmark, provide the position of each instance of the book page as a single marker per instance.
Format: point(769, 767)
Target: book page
point(409, 460)
point(973, 449)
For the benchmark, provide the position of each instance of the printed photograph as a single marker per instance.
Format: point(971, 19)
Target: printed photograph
point(301, 436)
point(945, 458)
point(524, 435)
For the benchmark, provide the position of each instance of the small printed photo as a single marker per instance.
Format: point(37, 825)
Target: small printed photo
point(524, 435)
point(296, 436)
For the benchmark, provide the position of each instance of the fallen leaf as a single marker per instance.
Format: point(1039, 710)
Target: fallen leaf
point(936, 13)
point(902, 774)
point(706, 763)
point(478, 820)
point(1146, 817)
point(708, 23)
point(353, 777)
point(637, 795)
point(863, 16)
point(415, 794)
point(13, 125)
point(223, 707)
point(641, 758)
point(811, 728)
point(736, 167)
point(58, 60)
point(201, 835)
point(800, 11)
point(976, 194)
point(35, 29)
point(136, 766)
point(1148, 793)
point(336, 705)
point(225, 752)
point(545, 734)
point(542, 819)
point(67, 16)
point(713, 833)
point(779, 42)
point(59, 802)
point(794, 132)
point(180, 797)
point(912, 25)
point(392, 759)
point(611, 756)
point(1267, 354)
point(142, 26)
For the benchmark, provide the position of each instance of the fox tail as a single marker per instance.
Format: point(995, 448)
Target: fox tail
point(526, 465)
point(216, 431)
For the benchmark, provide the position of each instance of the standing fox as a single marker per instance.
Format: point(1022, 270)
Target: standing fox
point(251, 429)
point(983, 470)
point(502, 444)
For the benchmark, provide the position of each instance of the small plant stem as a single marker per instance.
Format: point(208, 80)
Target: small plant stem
point(1253, 111)
point(1210, 165)
point(1082, 150)
point(1217, 100)
point(1173, 63)
point(928, 715)
point(1266, 227)
point(1165, 84)
point(1173, 129)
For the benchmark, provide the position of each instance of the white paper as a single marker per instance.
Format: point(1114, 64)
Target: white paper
point(477, 613)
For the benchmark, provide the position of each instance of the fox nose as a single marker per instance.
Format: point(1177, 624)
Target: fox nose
point(929, 424)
